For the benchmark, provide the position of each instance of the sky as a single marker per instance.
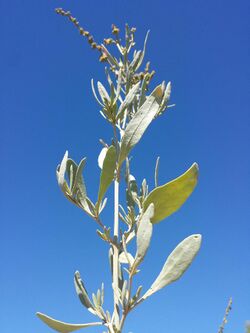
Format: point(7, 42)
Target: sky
point(47, 106)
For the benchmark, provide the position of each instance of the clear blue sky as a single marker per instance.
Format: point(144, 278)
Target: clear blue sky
point(47, 107)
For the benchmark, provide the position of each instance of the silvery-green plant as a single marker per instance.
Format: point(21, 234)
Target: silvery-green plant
point(129, 107)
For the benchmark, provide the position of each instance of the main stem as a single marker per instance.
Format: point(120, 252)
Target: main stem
point(116, 252)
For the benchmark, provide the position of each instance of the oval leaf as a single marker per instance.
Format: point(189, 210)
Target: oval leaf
point(103, 92)
point(177, 263)
point(143, 235)
point(62, 327)
point(107, 173)
point(137, 126)
point(168, 198)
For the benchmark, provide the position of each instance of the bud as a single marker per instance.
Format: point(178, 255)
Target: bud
point(115, 29)
point(103, 58)
point(90, 39)
point(108, 41)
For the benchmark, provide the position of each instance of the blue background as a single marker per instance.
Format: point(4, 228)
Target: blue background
point(47, 107)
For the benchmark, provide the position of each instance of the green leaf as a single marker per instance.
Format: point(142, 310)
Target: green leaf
point(107, 173)
point(137, 126)
point(168, 198)
point(143, 235)
point(177, 263)
point(82, 292)
point(62, 327)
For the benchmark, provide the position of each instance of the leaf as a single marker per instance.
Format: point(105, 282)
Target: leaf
point(62, 327)
point(137, 126)
point(177, 263)
point(94, 93)
point(103, 92)
point(79, 185)
point(128, 100)
point(143, 53)
point(143, 235)
point(157, 171)
point(168, 198)
point(82, 292)
point(107, 173)
point(165, 98)
point(62, 170)
point(131, 191)
point(71, 171)
point(136, 58)
point(124, 260)
point(101, 157)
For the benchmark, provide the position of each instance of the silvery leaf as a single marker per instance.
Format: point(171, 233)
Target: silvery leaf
point(62, 327)
point(177, 263)
point(136, 58)
point(94, 93)
point(143, 53)
point(71, 171)
point(157, 171)
point(128, 100)
point(107, 173)
point(103, 92)
point(143, 235)
point(82, 292)
point(101, 157)
point(137, 126)
point(62, 170)
point(79, 187)
point(126, 258)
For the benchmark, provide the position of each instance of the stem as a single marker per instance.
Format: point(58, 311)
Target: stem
point(116, 252)
point(127, 309)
